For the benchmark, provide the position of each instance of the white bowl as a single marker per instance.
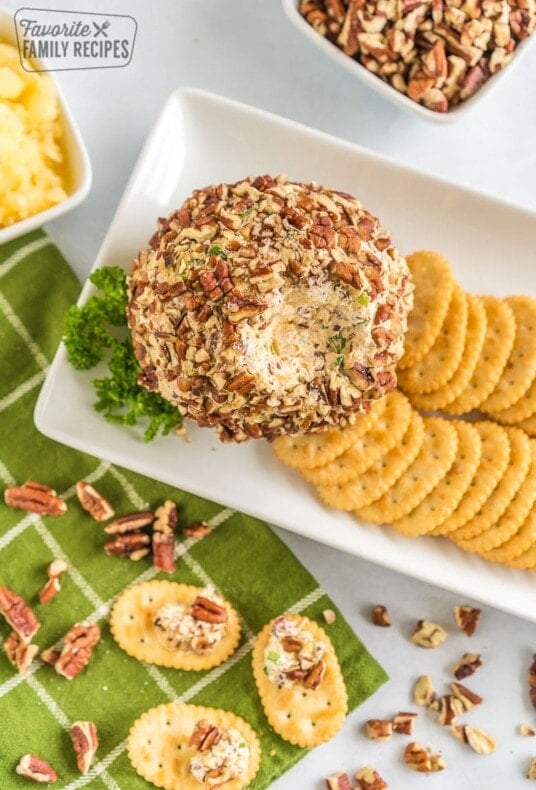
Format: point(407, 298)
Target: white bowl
point(77, 163)
point(387, 91)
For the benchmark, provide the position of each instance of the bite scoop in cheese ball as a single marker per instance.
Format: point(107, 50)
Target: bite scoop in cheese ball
point(268, 307)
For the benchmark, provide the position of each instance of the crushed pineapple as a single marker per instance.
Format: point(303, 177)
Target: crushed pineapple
point(31, 156)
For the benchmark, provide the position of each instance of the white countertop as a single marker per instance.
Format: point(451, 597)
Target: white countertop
point(246, 49)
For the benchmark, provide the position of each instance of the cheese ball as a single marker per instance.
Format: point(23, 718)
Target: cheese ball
point(268, 307)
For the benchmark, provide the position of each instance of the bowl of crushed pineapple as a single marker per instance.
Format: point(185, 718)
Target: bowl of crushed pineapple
point(44, 166)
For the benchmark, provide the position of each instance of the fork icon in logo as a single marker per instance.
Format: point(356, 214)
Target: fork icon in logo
point(101, 29)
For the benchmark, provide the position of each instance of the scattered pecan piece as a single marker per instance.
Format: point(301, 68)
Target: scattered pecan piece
point(35, 768)
point(93, 502)
point(469, 664)
point(53, 586)
point(78, 644)
point(130, 522)
point(428, 635)
point(18, 614)
point(423, 691)
point(479, 740)
point(50, 655)
point(314, 677)
point(369, 779)
point(329, 616)
point(85, 742)
point(19, 653)
point(340, 781)
point(467, 618)
point(419, 758)
point(532, 679)
point(164, 527)
point(526, 729)
point(404, 722)
point(379, 729)
point(208, 611)
point(381, 617)
point(531, 773)
point(129, 545)
point(448, 708)
point(198, 530)
point(35, 498)
point(468, 698)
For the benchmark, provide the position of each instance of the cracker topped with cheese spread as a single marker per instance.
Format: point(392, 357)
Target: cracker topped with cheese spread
point(268, 307)
point(299, 680)
point(175, 625)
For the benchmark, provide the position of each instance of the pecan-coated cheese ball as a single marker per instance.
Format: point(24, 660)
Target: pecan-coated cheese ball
point(268, 307)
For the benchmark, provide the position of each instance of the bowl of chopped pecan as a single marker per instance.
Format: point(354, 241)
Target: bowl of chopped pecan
point(432, 57)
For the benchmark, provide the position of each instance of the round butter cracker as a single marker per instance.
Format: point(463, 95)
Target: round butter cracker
point(504, 493)
point(443, 500)
point(430, 466)
point(434, 284)
point(132, 626)
point(474, 340)
point(520, 368)
point(316, 449)
point(441, 362)
point(498, 343)
point(529, 425)
point(304, 717)
point(158, 745)
point(384, 434)
point(373, 483)
point(494, 459)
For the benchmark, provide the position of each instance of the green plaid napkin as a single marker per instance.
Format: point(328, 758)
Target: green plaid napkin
point(242, 557)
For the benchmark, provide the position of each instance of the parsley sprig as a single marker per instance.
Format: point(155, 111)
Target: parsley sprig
point(96, 328)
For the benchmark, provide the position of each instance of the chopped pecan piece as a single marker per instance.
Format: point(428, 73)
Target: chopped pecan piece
point(291, 644)
point(340, 781)
point(428, 635)
point(381, 617)
point(467, 618)
point(198, 530)
point(479, 740)
point(78, 644)
point(532, 681)
point(35, 498)
point(526, 729)
point(52, 587)
point(35, 768)
point(50, 655)
point(18, 614)
point(314, 677)
point(469, 663)
point(85, 742)
point(404, 722)
point(468, 698)
point(448, 708)
point(379, 729)
point(130, 523)
point(19, 653)
point(208, 611)
point(93, 502)
point(164, 527)
point(423, 691)
point(329, 616)
point(369, 779)
point(531, 773)
point(419, 758)
point(129, 545)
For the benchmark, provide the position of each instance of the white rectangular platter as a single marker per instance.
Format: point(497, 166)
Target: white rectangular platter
point(200, 139)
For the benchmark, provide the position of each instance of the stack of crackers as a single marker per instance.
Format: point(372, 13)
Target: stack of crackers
point(470, 478)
